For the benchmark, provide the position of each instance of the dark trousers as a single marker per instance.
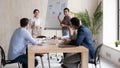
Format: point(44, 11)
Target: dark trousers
point(23, 59)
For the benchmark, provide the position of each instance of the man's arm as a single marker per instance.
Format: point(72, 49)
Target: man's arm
point(59, 18)
point(29, 38)
point(79, 39)
point(61, 22)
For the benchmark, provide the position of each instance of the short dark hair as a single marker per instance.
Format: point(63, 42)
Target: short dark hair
point(75, 21)
point(35, 11)
point(24, 22)
point(66, 9)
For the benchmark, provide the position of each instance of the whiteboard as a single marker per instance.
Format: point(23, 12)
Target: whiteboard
point(53, 9)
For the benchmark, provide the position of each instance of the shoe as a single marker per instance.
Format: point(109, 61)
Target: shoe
point(63, 66)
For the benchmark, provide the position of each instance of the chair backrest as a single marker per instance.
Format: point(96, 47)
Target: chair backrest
point(97, 54)
point(2, 55)
point(41, 36)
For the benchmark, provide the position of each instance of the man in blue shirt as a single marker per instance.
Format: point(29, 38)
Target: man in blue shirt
point(18, 43)
point(84, 38)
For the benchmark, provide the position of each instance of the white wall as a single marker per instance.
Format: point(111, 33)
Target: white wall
point(111, 54)
point(11, 11)
point(81, 5)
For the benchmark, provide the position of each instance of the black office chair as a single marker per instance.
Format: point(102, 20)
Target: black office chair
point(41, 36)
point(4, 61)
point(96, 59)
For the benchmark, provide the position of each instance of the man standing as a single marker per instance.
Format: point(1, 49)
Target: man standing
point(83, 38)
point(65, 23)
point(18, 43)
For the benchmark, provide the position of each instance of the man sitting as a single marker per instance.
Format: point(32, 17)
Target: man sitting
point(83, 38)
point(19, 40)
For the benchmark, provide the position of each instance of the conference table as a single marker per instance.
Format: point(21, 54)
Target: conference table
point(56, 48)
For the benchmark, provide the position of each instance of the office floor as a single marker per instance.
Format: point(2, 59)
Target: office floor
point(55, 64)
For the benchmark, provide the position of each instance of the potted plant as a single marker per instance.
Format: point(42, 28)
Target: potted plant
point(117, 43)
point(93, 22)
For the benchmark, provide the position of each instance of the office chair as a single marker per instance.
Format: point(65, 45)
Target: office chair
point(41, 36)
point(4, 61)
point(96, 59)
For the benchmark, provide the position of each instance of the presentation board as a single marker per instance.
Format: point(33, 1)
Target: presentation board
point(54, 8)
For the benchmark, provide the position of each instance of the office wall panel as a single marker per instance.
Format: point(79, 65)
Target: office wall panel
point(11, 11)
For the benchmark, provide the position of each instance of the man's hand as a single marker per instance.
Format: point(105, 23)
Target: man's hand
point(66, 41)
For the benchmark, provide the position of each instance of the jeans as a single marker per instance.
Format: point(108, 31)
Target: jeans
point(65, 32)
point(24, 60)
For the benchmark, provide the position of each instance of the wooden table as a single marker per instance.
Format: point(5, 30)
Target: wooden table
point(32, 49)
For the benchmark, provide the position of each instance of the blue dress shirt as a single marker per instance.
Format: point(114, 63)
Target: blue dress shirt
point(84, 38)
point(18, 43)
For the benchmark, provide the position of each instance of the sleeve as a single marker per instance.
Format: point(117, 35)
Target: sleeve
point(30, 39)
point(79, 39)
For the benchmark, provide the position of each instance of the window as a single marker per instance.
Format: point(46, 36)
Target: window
point(118, 27)
point(110, 22)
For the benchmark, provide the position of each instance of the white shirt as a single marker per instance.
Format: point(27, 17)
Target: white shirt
point(18, 43)
point(37, 22)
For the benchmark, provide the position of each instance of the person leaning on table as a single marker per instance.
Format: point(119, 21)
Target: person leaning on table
point(18, 43)
point(84, 38)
